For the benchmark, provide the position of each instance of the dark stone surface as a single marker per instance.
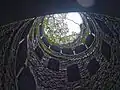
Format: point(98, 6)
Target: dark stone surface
point(39, 52)
point(55, 48)
point(104, 28)
point(91, 26)
point(73, 73)
point(89, 40)
point(21, 55)
point(53, 64)
point(26, 80)
point(41, 30)
point(67, 51)
point(80, 48)
point(3, 40)
point(44, 39)
point(106, 50)
point(80, 88)
point(93, 66)
point(27, 29)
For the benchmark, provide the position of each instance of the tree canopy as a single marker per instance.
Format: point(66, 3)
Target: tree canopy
point(56, 28)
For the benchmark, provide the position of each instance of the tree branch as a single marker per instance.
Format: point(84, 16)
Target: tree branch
point(72, 21)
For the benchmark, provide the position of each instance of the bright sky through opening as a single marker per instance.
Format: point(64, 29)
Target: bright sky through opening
point(73, 27)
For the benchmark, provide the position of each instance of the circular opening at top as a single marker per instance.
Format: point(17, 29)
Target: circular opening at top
point(62, 28)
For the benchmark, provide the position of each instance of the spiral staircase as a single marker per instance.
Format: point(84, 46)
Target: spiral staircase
point(30, 62)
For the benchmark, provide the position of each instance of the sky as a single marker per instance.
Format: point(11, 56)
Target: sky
point(71, 25)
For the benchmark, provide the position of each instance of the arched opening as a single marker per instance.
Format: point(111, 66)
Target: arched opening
point(63, 28)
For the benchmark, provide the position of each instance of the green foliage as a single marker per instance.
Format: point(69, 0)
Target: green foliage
point(56, 30)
